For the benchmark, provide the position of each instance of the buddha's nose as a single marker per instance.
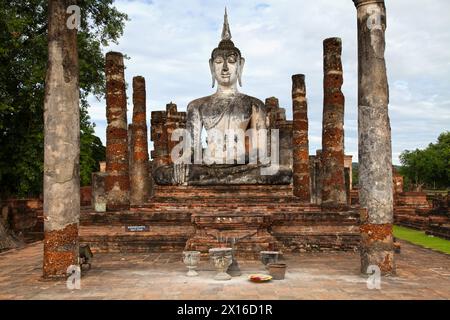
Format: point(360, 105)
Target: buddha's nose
point(225, 66)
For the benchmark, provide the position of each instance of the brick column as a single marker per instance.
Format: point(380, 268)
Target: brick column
point(333, 178)
point(272, 106)
point(300, 142)
point(160, 153)
point(139, 177)
point(117, 183)
point(374, 131)
point(170, 126)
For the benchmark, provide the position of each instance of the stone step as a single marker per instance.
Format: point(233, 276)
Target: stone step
point(89, 218)
point(442, 231)
point(230, 191)
point(404, 211)
point(224, 199)
point(411, 221)
point(165, 214)
point(116, 239)
point(228, 207)
point(174, 239)
point(183, 216)
point(350, 218)
point(319, 241)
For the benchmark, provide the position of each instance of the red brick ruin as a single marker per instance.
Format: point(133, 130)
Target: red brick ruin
point(301, 179)
point(139, 162)
point(333, 179)
point(163, 123)
point(117, 181)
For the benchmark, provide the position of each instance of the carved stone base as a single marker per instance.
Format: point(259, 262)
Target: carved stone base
point(223, 175)
point(248, 233)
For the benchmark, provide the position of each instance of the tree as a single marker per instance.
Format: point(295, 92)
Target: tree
point(355, 174)
point(92, 151)
point(23, 61)
point(428, 167)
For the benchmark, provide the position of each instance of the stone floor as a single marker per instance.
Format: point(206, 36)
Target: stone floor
point(422, 274)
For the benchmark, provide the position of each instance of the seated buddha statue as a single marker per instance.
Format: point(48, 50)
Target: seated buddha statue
point(225, 111)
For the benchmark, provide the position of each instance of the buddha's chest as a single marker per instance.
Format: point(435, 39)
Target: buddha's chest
point(230, 116)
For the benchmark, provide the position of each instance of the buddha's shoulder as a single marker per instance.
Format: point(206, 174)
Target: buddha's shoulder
point(197, 103)
point(252, 100)
point(246, 100)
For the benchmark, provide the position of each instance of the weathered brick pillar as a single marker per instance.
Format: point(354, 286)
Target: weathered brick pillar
point(160, 153)
point(139, 177)
point(333, 178)
point(300, 142)
point(374, 131)
point(170, 126)
point(117, 184)
point(61, 145)
point(272, 105)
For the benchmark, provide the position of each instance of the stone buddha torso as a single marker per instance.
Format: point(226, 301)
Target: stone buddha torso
point(219, 113)
point(225, 113)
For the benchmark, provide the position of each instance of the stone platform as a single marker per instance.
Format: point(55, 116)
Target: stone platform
point(414, 210)
point(421, 274)
point(198, 218)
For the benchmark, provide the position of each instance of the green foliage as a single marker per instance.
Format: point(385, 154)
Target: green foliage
point(23, 61)
point(429, 167)
point(92, 150)
point(355, 174)
point(421, 239)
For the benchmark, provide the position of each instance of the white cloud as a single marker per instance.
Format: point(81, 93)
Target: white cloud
point(170, 42)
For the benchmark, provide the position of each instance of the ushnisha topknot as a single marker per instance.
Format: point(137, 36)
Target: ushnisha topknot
point(225, 45)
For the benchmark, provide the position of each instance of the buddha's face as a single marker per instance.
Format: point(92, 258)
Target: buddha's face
point(226, 68)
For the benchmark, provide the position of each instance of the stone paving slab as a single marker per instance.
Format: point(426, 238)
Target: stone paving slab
point(422, 274)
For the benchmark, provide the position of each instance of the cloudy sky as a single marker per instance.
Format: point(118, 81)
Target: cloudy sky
point(169, 43)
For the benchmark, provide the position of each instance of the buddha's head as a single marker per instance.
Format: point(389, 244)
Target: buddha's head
point(226, 62)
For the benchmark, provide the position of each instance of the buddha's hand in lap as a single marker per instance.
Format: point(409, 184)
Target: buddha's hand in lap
point(180, 172)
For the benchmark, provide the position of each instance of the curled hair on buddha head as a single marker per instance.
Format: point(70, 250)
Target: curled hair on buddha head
point(226, 46)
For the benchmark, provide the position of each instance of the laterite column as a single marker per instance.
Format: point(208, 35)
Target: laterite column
point(139, 174)
point(301, 179)
point(374, 133)
point(61, 145)
point(160, 153)
point(117, 182)
point(333, 177)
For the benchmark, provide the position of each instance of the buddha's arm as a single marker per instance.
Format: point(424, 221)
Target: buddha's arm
point(258, 116)
point(258, 122)
point(194, 126)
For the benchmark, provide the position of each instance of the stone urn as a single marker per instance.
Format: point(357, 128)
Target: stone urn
point(221, 259)
point(268, 257)
point(234, 270)
point(191, 260)
point(277, 270)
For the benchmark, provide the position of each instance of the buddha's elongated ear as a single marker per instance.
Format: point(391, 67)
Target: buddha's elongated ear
point(241, 68)
point(213, 72)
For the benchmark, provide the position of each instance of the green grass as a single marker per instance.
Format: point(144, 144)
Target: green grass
point(421, 239)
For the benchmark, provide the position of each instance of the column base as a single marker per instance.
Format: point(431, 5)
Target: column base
point(61, 250)
point(377, 248)
point(384, 259)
